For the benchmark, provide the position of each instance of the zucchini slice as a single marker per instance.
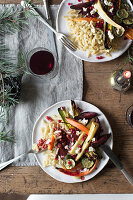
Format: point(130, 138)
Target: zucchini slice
point(122, 14)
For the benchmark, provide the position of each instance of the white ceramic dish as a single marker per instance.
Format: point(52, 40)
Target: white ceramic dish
point(62, 27)
point(37, 135)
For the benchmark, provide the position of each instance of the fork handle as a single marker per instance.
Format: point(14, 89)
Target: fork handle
point(5, 164)
point(33, 11)
point(46, 8)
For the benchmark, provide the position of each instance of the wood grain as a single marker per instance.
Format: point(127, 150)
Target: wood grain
point(18, 182)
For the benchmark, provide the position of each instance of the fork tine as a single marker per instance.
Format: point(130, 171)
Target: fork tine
point(70, 42)
point(70, 46)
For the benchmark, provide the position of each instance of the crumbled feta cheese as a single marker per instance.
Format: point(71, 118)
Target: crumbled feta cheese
point(91, 149)
point(77, 150)
point(111, 10)
point(77, 133)
point(93, 30)
point(85, 169)
point(58, 131)
point(93, 11)
point(35, 147)
point(84, 9)
point(93, 139)
point(72, 143)
point(66, 147)
point(48, 141)
point(108, 3)
point(110, 35)
point(83, 121)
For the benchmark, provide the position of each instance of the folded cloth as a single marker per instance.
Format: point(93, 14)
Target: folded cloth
point(36, 96)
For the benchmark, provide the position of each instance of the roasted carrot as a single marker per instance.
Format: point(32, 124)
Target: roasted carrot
point(51, 144)
point(78, 125)
point(129, 33)
point(88, 19)
point(71, 173)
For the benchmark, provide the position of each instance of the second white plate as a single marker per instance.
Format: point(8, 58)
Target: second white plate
point(62, 27)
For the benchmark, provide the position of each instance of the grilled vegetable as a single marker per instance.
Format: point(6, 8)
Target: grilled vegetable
point(118, 32)
point(104, 16)
point(86, 163)
point(101, 140)
point(63, 115)
point(74, 108)
point(129, 33)
point(78, 142)
point(122, 14)
point(51, 144)
point(117, 19)
point(77, 173)
point(82, 5)
point(69, 163)
point(93, 129)
point(86, 115)
point(88, 19)
point(125, 6)
point(91, 155)
point(128, 21)
point(78, 125)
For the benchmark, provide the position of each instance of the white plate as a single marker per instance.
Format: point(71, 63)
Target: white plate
point(62, 27)
point(36, 135)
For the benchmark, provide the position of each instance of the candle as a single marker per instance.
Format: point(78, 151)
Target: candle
point(120, 80)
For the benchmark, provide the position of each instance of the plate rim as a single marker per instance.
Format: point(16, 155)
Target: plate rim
point(98, 61)
point(33, 134)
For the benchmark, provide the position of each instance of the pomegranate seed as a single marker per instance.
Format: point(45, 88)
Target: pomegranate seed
point(71, 129)
point(74, 156)
point(77, 171)
point(49, 118)
point(59, 121)
point(91, 7)
point(69, 4)
point(82, 178)
point(99, 57)
point(69, 162)
point(79, 146)
point(62, 108)
point(79, 0)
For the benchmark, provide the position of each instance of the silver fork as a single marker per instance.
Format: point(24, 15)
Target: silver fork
point(61, 37)
point(5, 164)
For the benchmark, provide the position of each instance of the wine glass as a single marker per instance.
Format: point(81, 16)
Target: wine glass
point(129, 116)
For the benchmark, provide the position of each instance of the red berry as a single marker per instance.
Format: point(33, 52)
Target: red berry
point(69, 4)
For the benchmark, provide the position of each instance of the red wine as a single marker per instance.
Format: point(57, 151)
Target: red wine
point(42, 62)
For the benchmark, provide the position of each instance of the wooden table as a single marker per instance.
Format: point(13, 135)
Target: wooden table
point(16, 183)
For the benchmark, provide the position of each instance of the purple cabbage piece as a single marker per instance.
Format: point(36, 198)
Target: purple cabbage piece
point(86, 115)
point(82, 5)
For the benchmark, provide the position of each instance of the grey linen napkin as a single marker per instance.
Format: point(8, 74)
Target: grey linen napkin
point(37, 96)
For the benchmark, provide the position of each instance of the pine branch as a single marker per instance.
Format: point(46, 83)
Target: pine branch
point(5, 137)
